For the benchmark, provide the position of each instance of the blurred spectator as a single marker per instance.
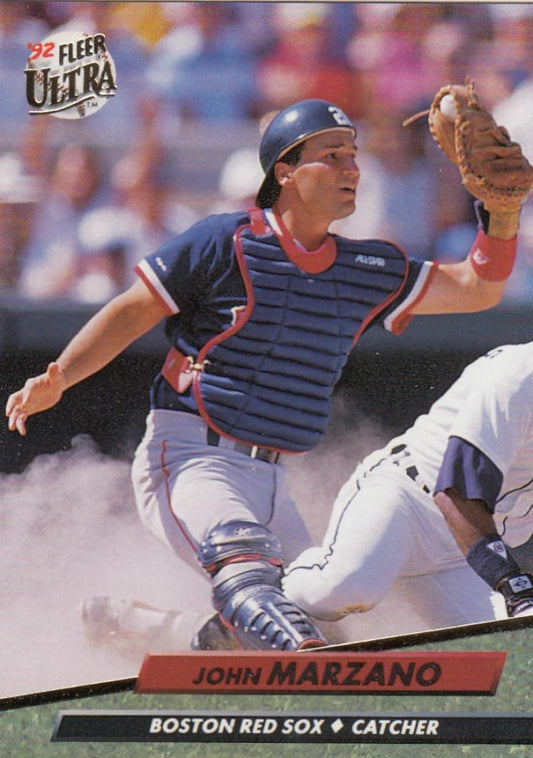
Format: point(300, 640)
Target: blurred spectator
point(519, 288)
point(493, 83)
point(516, 113)
point(145, 212)
point(305, 62)
point(512, 39)
point(19, 192)
point(203, 66)
point(105, 239)
point(217, 64)
point(516, 110)
point(255, 19)
point(388, 51)
point(454, 219)
point(147, 21)
point(240, 178)
point(51, 259)
point(446, 50)
point(181, 42)
point(476, 19)
point(342, 22)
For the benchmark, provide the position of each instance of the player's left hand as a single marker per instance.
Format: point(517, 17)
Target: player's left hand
point(493, 168)
point(38, 394)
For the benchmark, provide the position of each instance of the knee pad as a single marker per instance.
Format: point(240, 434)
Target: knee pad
point(244, 559)
point(239, 541)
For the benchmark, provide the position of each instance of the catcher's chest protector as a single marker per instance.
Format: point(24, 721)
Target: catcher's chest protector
point(268, 380)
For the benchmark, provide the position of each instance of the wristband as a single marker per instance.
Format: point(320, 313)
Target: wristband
point(492, 258)
point(491, 561)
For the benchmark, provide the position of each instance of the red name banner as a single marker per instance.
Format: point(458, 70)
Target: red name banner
point(307, 672)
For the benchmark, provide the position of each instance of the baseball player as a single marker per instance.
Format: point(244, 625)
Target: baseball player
point(469, 459)
point(474, 450)
point(262, 308)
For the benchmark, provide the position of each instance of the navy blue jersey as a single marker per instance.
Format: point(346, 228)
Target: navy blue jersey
point(254, 298)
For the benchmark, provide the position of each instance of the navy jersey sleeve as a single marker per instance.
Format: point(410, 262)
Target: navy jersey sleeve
point(183, 268)
point(471, 472)
point(396, 317)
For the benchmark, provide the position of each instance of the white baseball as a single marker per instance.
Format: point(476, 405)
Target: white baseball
point(448, 108)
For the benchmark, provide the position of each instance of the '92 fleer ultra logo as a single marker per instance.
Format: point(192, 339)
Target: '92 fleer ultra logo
point(69, 75)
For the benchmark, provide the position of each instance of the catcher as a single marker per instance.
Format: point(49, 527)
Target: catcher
point(262, 308)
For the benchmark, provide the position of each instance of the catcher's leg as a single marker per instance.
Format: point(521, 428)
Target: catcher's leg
point(244, 559)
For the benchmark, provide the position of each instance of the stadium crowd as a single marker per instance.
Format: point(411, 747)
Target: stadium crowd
point(82, 200)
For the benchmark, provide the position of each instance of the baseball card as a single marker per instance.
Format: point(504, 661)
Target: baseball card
point(266, 466)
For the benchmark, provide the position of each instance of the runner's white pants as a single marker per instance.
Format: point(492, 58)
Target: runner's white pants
point(385, 530)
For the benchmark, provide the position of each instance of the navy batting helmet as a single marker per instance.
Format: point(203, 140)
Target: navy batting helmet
point(289, 128)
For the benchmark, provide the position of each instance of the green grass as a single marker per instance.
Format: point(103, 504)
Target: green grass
point(26, 732)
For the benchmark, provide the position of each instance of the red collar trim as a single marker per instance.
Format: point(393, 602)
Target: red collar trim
point(258, 222)
point(310, 261)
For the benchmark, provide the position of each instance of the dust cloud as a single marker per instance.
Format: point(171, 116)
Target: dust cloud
point(71, 530)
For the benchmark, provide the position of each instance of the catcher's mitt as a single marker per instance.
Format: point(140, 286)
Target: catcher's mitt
point(492, 166)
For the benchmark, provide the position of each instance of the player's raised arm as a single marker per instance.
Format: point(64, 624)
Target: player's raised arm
point(106, 335)
point(475, 284)
point(495, 171)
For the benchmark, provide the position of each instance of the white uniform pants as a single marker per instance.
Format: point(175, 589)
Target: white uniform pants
point(385, 529)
